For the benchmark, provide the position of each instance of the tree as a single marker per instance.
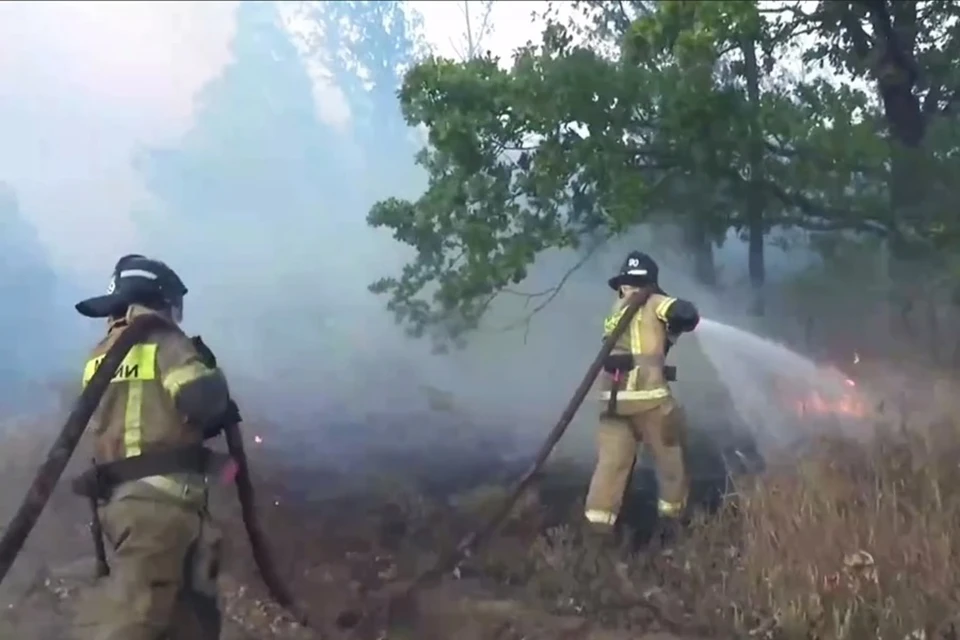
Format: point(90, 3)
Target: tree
point(908, 52)
point(496, 197)
point(366, 47)
point(570, 146)
point(605, 26)
point(256, 142)
point(255, 159)
point(475, 30)
point(261, 203)
point(250, 195)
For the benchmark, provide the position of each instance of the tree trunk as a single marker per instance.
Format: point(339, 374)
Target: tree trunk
point(471, 46)
point(698, 242)
point(755, 198)
point(908, 192)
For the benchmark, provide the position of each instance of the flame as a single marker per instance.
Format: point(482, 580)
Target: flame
point(848, 403)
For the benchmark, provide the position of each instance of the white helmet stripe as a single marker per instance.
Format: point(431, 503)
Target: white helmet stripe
point(138, 273)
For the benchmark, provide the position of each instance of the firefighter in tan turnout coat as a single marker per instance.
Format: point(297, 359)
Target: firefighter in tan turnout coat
point(637, 404)
point(150, 469)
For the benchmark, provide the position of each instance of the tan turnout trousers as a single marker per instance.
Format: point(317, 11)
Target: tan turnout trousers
point(660, 427)
point(164, 563)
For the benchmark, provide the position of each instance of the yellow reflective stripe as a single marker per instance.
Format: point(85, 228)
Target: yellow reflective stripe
point(90, 368)
point(137, 367)
point(598, 516)
point(641, 394)
point(636, 346)
point(666, 508)
point(174, 488)
point(133, 419)
point(180, 376)
point(138, 364)
point(610, 323)
point(663, 307)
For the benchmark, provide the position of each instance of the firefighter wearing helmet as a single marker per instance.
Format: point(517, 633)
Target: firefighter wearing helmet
point(149, 478)
point(637, 404)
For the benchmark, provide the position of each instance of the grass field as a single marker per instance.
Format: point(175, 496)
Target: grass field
point(845, 539)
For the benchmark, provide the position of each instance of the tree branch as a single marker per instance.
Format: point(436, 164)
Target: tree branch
point(550, 293)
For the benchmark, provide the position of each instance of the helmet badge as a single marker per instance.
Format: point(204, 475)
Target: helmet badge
point(633, 267)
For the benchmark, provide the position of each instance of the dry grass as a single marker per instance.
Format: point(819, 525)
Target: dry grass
point(853, 541)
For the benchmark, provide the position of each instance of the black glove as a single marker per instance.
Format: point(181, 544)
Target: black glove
point(684, 325)
point(229, 417)
point(206, 355)
point(618, 362)
point(682, 317)
point(232, 414)
point(213, 431)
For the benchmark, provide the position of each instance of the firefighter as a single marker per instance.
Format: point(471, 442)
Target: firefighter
point(150, 472)
point(637, 404)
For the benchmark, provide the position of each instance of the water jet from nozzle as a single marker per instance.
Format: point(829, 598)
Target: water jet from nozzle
point(780, 395)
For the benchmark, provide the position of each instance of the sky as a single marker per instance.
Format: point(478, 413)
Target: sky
point(131, 70)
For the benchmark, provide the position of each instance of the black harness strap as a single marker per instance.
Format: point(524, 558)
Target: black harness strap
point(99, 481)
point(618, 365)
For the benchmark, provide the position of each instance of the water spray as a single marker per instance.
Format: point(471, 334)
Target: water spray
point(775, 390)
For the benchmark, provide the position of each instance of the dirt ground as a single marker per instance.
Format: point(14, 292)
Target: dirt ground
point(341, 540)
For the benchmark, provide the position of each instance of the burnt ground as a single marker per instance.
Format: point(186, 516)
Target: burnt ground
point(340, 538)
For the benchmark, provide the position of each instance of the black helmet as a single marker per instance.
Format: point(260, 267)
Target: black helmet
point(136, 280)
point(638, 270)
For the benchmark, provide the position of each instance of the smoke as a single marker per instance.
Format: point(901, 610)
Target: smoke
point(234, 142)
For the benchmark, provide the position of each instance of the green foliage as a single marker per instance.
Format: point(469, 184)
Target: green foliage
point(694, 117)
point(520, 161)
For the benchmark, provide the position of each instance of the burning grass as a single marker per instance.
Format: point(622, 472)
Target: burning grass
point(847, 540)
point(854, 541)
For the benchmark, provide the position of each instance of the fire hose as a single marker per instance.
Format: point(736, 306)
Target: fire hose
point(49, 473)
point(396, 599)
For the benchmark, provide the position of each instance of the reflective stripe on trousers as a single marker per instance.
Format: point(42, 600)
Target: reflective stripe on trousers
point(596, 516)
point(664, 508)
point(641, 394)
point(175, 488)
point(669, 509)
